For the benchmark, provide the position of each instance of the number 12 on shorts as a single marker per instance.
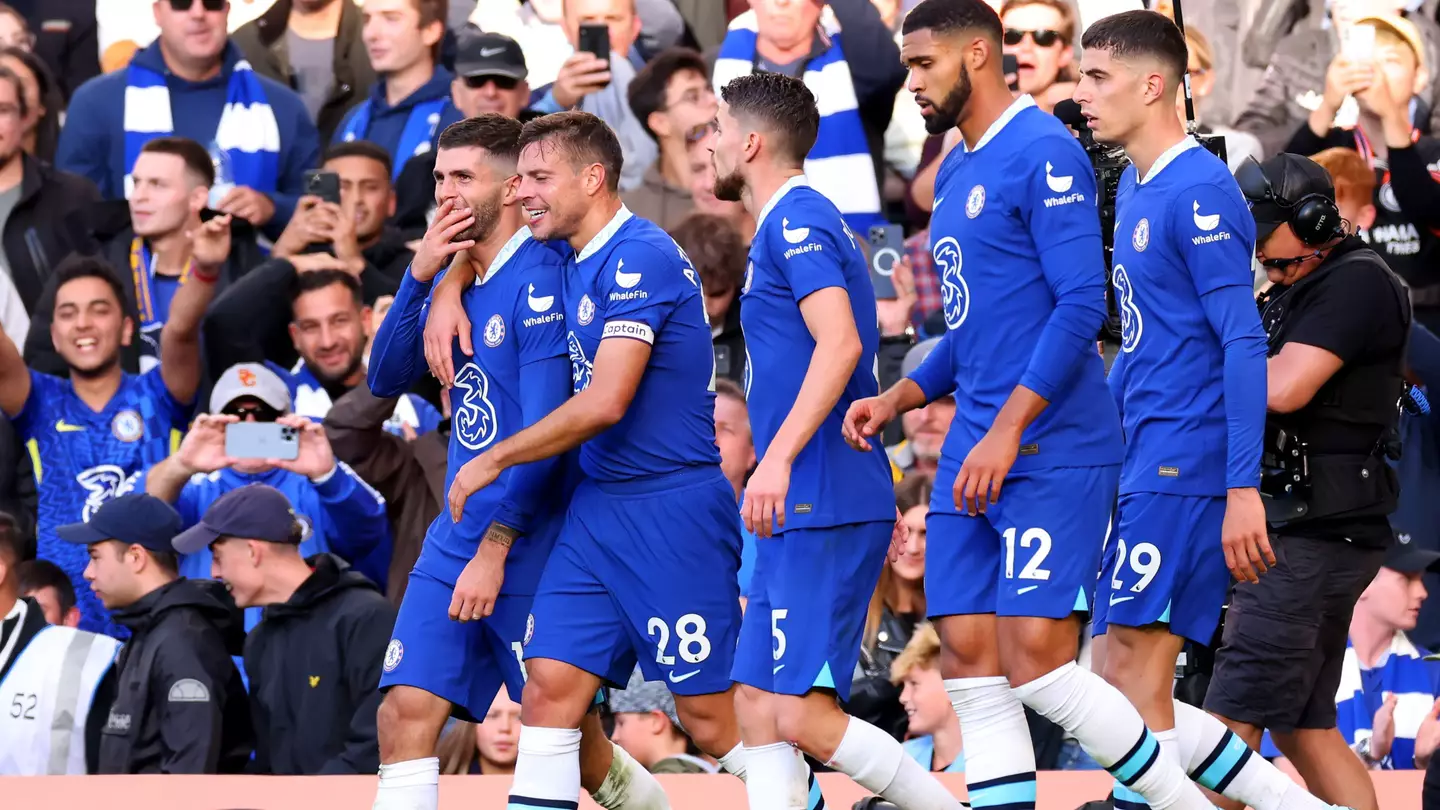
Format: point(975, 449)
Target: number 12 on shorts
point(1037, 538)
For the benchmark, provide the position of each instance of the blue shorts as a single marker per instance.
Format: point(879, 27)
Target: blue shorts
point(645, 570)
point(808, 599)
point(465, 663)
point(1034, 553)
point(1165, 566)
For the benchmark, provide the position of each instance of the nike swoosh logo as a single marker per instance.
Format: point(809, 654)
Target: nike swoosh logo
point(687, 676)
point(777, 669)
point(938, 200)
point(489, 52)
point(62, 426)
point(625, 280)
point(1026, 589)
point(1115, 601)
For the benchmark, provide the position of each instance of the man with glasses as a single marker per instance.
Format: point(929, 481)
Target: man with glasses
point(193, 82)
point(1041, 36)
point(340, 513)
point(672, 98)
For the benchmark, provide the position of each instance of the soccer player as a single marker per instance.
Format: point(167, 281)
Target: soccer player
point(645, 566)
point(1189, 380)
point(1017, 242)
point(89, 434)
point(464, 618)
point(822, 514)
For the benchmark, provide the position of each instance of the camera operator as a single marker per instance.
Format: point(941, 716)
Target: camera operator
point(1337, 320)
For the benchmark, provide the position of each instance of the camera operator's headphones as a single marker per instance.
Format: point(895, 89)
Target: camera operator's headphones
point(1314, 218)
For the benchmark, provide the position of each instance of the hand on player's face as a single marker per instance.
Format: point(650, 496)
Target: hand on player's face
point(451, 218)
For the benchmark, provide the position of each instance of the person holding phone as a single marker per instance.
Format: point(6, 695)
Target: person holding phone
point(596, 78)
point(341, 513)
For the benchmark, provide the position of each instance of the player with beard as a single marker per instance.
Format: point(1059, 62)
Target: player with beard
point(512, 373)
point(619, 588)
point(1008, 578)
point(89, 434)
point(823, 515)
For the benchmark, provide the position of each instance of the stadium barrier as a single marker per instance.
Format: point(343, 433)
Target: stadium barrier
point(1059, 790)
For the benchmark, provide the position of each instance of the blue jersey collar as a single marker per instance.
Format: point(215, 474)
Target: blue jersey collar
point(621, 217)
point(1169, 155)
point(520, 238)
point(794, 182)
point(1016, 107)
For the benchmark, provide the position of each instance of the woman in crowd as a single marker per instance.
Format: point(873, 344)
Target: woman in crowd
point(487, 748)
point(43, 103)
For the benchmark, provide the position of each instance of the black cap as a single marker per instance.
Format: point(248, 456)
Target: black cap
point(1274, 187)
point(254, 512)
point(1408, 558)
point(481, 54)
point(134, 519)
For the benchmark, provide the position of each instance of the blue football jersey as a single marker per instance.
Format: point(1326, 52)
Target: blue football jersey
point(1184, 232)
point(803, 245)
point(632, 281)
point(1025, 191)
point(517, 320)
point(83, 458)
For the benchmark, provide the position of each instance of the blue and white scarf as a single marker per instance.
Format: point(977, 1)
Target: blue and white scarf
point(415, 138)
point(247, 137)
point(839, 166)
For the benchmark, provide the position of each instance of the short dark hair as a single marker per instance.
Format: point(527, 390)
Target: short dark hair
point(913, 490)
point(497, 134)
point(716, 248)
point(38, 574)
point(1140, 33)
point(363, 149)
point(8, 75)
point(726, 387)
point(14, 546)
point(647, 90)
point(320, 279)
point(953, 16)
point(584, 137)
point(784, 105)
point(77, 266)
point(197, 158)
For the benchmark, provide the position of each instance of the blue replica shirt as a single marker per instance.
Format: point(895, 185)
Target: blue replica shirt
point(83, 459)
point(802, 245)
point(1016, 241)
point(310, 399)
point(1190, 376)
point(519, 373)
point(632, 281)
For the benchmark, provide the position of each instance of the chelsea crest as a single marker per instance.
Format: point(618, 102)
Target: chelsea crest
point(494, 331)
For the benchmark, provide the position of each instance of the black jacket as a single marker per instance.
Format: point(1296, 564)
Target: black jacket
point(263, 42)
point(248, 322)
point(110, 238)
point(52, 216)
point(180, 706)
point(67, 38)
point(314, 666)
point(99, 704)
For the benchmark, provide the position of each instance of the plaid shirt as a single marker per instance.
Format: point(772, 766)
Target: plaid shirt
point(927, 282)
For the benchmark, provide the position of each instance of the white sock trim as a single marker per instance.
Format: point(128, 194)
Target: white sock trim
point(734, 761)
point(411, 773)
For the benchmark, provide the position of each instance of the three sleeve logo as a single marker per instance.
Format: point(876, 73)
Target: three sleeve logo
point(1131, 324)
point(954, 292)
point(475, 418)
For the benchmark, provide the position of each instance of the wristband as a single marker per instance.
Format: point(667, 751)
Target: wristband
point(199, 273)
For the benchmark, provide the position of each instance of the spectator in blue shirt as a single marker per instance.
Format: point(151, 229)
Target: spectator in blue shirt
point(194, 83)
point(340, 513)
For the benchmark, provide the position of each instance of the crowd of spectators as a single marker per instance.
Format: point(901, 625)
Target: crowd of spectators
point(171, 264)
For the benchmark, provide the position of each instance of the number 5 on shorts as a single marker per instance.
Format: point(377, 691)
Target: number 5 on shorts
point(692, 644)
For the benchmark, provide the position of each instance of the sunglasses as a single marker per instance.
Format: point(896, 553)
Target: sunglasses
point(208, 5)
point(244, 410)
point(1043, 37)
point(502, 82)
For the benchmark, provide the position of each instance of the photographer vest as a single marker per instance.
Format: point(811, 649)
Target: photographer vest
point(46, 697)
point(1351, 425)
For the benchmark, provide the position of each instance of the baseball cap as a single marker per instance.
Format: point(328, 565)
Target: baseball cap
point(642, 697)
point(254, 512)
point(1408, 558)
point(134, 519)
point(250, 380)
point(1274, 187)
point(481, 54)
point(916, 355)
point(1403, 28)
